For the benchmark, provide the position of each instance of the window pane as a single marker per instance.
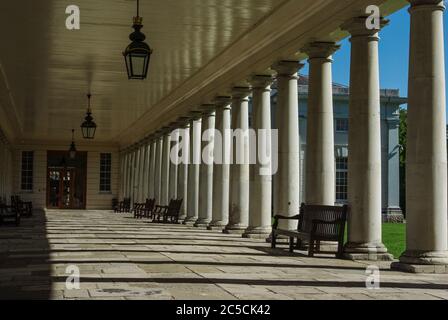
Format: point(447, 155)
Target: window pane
point(27, 170)
point(105, 172)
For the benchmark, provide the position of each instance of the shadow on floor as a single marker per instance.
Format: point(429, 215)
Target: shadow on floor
point(262, 282)
point(29, 268)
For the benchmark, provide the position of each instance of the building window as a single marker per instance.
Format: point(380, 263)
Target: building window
point(27, 170)
point(341, 125)
point(105, 172)
point(341, 179)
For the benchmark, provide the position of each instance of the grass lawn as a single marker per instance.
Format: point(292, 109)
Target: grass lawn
point(394, 238)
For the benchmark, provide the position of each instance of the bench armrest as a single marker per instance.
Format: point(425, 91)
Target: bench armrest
point(280, 217)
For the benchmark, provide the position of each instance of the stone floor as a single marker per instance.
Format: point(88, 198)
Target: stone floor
point(122, 258)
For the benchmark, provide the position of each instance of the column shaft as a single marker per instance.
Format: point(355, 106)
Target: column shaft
point(426, 168)
point(158, 171)
point(193, 171)
point(165, 183)
point(206, 170)
point(174, 155)
point(221, 170)
point(183, 170)
point(239, 201)
point(364, 159)
point(320, 160)
point(152, 169)
point(260, 209)
point(287, 179)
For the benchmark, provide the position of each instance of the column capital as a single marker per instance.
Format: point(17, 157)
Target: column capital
point(207, 108)
point(287, 68)
point(184, 122)
point(261, 81)
point(436, 3)
point(320, 50)
point(241, 93)
point(357, 27)
point(158, 134)
point(195, 115)
point(223, 101)
point(166, 130)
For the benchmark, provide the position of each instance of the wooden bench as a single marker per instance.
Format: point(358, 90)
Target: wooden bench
point(25, 207)
point(315, 224)
point(147, 210)
point(123, 206)
point(9, 214)
point(168, 214)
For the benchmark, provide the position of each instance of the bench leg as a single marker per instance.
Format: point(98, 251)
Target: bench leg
point(311, 248)
point(340, 252)
point(291, 244)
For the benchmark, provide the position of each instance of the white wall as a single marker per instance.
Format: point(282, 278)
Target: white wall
point(95, 199)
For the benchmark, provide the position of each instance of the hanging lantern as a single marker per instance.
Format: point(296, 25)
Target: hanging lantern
point(88, 127)
point(137, 55)
point(72, 150)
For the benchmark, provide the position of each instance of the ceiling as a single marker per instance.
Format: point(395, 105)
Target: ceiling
point(47, 70)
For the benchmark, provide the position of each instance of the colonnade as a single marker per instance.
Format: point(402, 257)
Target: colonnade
point(236, 198)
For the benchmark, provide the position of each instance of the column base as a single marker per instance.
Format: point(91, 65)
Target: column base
point(414, 261)
point(257, 232)
point(217, 226)
point(235, 229)
point(367, 251)
point(201, 223)
point(392, 215)
point(190, 221)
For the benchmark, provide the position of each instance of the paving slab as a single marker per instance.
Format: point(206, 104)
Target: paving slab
point(120, 258)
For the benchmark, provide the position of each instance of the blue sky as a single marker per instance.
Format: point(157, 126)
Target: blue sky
point(394, 54)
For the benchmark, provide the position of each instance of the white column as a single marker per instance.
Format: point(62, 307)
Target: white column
point(125, 174)
point(287, 178)
point(239, 201)
point(122, 156)
point(206, 168)
point(141, 167)
point(221, 170)
point(136, 176)
point(183, 169)
point(165, 191)
point(158, 169)
point(131, 175)
point(260, 209)
point(193, 170)
point(174, 168)
point(152, 168)
point(147, 149)
point(426, 168)
point(320, 159)
point(364, 154)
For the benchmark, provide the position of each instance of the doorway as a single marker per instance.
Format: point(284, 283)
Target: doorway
point(66, 180)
